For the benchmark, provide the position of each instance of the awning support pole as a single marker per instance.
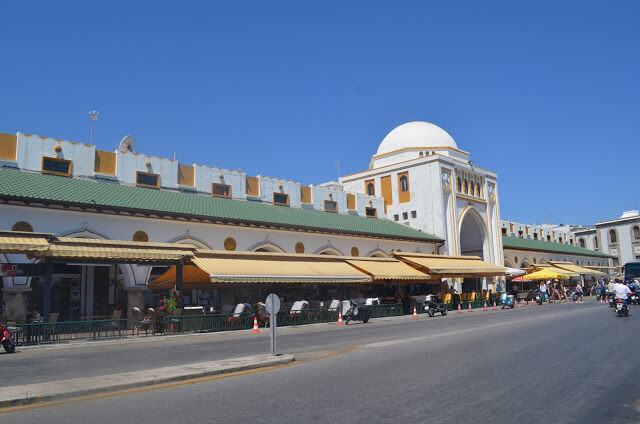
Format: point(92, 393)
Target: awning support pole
point(179, 276)
point(48, 277)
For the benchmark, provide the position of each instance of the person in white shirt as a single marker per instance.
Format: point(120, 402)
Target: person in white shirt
point(621, 291)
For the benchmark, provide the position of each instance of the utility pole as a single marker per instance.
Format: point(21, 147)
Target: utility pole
point(93, 116)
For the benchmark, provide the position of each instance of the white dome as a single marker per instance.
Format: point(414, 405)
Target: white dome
point(416, 134)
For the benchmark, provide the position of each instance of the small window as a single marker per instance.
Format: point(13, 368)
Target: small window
point(331, 206)
point(405, 215)
point(404, 183)
point(414, 214)
point(371, 189)
point(56, 166)
point(371, 212)
point(281, 199)
point(220, 190)
point(145, 179)
point(396, 217)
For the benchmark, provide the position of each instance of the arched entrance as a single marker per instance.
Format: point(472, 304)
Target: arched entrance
point(473, 242)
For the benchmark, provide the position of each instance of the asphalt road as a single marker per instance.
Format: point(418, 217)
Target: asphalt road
point(554, 364)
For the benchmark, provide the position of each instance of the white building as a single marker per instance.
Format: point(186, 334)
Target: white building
point(618, 237)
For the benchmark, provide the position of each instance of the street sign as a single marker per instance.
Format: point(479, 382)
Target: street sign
point(22, 270)
point(272, 305)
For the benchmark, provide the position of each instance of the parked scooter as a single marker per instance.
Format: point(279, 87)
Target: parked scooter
point(507, 300)
point(622, 310)
point(357, 313)
point(434, 305)
point(6, 340)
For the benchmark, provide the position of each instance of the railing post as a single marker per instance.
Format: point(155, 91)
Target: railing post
point(179, 276)
point(46, 304)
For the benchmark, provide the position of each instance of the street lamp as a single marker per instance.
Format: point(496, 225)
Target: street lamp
point(93, 116)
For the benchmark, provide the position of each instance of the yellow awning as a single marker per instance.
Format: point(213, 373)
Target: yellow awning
point(82, 248)
point(575, 268)
point(556, 269)
point(240, 267)
point(388, 269)
point(452, 266)
point(192, 278)
point(23, 244)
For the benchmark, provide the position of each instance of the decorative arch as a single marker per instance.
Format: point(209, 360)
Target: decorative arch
point(473, 233)
point(266, 246)
point(328, 249)
point(377, 253)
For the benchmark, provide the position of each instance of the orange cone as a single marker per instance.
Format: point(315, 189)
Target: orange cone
point(340, 318)
point(415, 313)
point(470, 310)
point(459, 309)
point(494, 305)
point(255, 325)
point(485, 306)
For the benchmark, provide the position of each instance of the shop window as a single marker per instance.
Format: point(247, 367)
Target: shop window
point(371, 212)
point(146, 179)
point(281, 199)
point(331, 206)
point(56, 166)
point(221, 190)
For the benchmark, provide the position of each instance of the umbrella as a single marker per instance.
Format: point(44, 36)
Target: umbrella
point(545, 274)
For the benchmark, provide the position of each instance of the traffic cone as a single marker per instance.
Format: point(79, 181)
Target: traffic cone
point(415, 313)
point(485, 306)
point(340, 318)
point(494, 305)
point(255, 325)
point(459, 309)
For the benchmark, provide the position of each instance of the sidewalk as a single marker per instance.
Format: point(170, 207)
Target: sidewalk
point(78, 387)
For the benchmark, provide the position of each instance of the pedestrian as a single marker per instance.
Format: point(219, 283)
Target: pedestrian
point(579, 292)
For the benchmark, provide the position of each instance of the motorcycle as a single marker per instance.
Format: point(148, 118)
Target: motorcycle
point(507, 301)
point(6, 340)
point(357, 313)
point(435, 305)
point(622, 310)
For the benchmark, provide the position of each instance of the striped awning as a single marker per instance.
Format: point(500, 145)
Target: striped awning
point(23, 244)
point(388, 269)
point(94, 249)
point(452, 266)
point(575, 268)
point(249, 267)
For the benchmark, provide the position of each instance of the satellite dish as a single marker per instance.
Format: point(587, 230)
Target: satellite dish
point(127, 144)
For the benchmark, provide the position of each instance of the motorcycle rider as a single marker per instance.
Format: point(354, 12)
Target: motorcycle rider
point(622, 292)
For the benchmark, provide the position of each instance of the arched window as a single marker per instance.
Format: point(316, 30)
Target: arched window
point(613, 237)
point(404, 183)
point(582, 243)
point(371, 189)
point(636, 232)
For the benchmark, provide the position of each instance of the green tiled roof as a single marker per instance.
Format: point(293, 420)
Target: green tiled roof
point(547, 246)
point(104, 195)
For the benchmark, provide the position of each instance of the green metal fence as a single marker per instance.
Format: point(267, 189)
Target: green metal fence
point(60, 332)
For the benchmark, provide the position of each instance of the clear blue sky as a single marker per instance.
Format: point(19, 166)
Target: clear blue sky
point(544, 94)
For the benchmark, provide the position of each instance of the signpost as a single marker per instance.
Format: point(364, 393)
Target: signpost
point(272, 305)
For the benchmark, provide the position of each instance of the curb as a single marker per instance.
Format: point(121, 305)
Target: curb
point(188, 372)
